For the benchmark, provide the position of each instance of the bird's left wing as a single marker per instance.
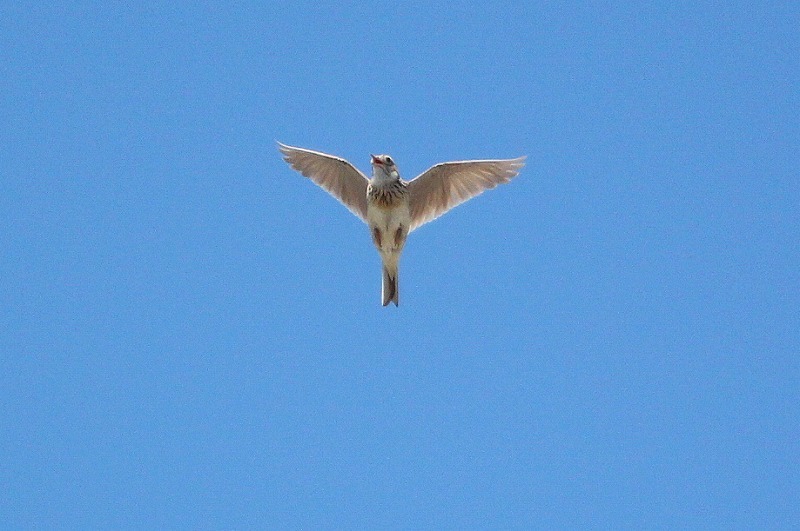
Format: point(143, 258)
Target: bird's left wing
point(449, 184)
point(335, 175)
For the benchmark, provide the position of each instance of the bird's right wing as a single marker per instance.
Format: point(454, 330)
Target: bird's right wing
point(335, 175)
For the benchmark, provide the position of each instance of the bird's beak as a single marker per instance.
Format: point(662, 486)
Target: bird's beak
point(375, 160)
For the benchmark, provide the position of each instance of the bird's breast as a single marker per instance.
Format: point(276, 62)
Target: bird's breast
point(387, 206)
point(387, 196)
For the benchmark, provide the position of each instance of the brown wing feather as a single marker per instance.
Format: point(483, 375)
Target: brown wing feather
point(449, 184)
point(335, 175)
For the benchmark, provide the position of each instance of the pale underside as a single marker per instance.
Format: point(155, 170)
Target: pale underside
point(431, 194)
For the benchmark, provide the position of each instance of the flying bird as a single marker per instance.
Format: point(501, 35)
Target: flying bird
point(393, 207)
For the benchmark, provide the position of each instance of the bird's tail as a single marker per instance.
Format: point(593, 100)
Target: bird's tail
point(389, 287)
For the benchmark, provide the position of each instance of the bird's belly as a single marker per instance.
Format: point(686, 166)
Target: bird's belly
point(388, 218)
point(389, 227)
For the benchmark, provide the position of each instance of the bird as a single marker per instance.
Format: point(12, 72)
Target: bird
point(393, 207)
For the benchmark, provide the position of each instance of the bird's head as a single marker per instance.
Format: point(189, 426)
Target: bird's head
point(383, 167)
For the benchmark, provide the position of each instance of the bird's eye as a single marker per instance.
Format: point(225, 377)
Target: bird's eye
point(389, 161)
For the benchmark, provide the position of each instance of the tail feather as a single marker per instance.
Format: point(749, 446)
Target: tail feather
point(389, 286)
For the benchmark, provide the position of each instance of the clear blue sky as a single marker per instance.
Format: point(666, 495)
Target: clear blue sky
point(191, 333)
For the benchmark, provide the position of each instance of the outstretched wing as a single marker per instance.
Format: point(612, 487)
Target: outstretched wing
point(335, 175)
point(449, 184)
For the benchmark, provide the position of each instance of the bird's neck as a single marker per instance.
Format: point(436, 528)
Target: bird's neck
point(381, 177)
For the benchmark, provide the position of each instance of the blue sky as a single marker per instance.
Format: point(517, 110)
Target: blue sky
point(192, 333)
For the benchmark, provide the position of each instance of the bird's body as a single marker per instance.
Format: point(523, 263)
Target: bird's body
point(389, 220)
point(392, 207)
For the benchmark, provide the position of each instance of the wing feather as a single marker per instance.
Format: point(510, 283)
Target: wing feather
point(333, 174)
point(449, 184)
